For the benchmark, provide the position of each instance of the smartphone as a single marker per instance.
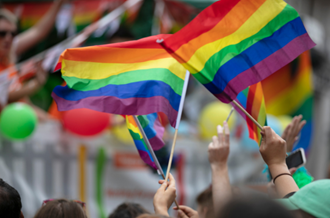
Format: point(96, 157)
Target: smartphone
point(295, 160)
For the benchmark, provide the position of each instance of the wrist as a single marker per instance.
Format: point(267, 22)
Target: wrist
point(161, 211)
point(276, 169)
point(219, 168)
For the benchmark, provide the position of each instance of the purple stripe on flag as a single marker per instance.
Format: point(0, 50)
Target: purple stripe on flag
point(157, 142)
point(110, 104)
point(145, 157)
point(267, 67)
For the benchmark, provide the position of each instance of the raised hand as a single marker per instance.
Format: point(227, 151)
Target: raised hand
point(291, 132)
point(273, 147)
point(219, 148)
point(165, 196)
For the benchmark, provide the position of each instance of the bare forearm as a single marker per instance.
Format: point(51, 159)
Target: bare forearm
point(47, 22)
point(39, 31)
point(221, 188)
point(284, 184)
point(27, 89)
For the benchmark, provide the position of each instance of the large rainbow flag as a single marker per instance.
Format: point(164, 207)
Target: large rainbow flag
point(233, 44)
point(154, 131)
point(252, 100)
point(289, 91)
point(132, 78)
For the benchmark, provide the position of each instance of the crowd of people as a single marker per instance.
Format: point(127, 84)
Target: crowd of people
point(219, 200)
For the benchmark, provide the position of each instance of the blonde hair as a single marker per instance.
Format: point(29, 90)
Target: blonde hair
point(7, 15)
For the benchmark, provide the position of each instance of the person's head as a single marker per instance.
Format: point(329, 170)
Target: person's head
point(253, 206)
point(61, 208)
point(311, 200)
point(205, 204)
point(10, 201)
point(8, 30)
point(152, 216)
point(128, 210)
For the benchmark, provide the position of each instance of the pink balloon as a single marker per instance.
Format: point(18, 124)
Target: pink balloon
point(85, 122)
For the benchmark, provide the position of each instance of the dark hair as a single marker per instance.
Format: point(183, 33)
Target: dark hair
point(254, 207)
point(61, 208)
point(10, 201)
point(152, 216)
point(128, 210)
point(205, 199)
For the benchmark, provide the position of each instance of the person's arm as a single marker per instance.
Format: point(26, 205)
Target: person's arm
point(31, 86)
point(165, 196)
point(218, 156)
point(35, 34)
point(27, 89)
point(291, 132)
point(273, 151)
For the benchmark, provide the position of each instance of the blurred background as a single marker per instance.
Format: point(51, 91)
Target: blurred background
point(101, 165)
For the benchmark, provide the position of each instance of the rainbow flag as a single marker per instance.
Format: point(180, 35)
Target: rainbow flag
point(154, 131)
point(289, 91)
point(252, 100)
point(132, 78)
point(233, 44)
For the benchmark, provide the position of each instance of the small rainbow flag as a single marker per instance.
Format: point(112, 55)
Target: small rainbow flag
point(252, 100)
point(132, 78)
point(233, 44)
point(289, 91)
point(154, 131)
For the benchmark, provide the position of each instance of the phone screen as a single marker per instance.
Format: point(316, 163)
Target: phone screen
point(294, 160)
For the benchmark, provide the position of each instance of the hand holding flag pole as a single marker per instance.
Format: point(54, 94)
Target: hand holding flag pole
point(183, 96)
point(145, 138)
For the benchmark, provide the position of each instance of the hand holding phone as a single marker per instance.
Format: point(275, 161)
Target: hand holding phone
point(295, 160)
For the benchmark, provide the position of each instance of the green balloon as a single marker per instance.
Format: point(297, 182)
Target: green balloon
point(17, 121)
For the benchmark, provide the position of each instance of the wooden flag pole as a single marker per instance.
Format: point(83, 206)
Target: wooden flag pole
point(183, 96)
point(145, 138)
point(247, 114)
point(82, 155)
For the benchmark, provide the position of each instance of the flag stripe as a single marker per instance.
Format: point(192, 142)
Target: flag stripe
point(252, 99)
point(157, 74)
point(114, 55)
point(228, 53)
point(205, 18)
point(267, 66)
point(145, 89)
point(69, 68)
point(145, 156)
point(286, 89)
point(129, 106)
point(256, 53)
point(231, 31)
